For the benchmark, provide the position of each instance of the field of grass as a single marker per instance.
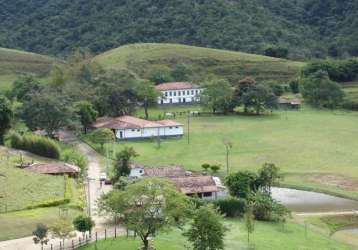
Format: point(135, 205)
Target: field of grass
point(314, 148)
point(266, 236)
point(14, 63)
point(140, 58)
point(22, 223)
point(21, 189)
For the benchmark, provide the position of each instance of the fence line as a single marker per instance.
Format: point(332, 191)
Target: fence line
point(74, 243)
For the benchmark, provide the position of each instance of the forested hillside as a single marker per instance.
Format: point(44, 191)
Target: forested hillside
point(307, 28)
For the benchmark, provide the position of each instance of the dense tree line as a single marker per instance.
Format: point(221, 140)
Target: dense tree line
point(307, 28)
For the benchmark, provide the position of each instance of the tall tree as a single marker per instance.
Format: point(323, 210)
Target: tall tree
point(47, 110)
point(243, 86)
point(218, 96)
point(260, 97)
point(122, 164)
point(101, 136)
point(86, 113)
point(147, 94)
point(319, 91)
point(206, 232)
point(23, 86)
point(148, 206)
point(6, 115)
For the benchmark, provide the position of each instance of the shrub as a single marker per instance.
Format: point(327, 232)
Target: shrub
point(231, 207)
point(73, 156)
point(265, 208)
point(35, 144)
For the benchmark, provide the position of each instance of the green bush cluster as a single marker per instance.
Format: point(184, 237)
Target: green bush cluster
point(35, 144)
point(72, 156)
point(231, 207)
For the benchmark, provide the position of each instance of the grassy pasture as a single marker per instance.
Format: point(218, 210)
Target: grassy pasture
point(266, 236)
point(22, 188)
point(14, 63)
point(139, 58)
point(316, 149)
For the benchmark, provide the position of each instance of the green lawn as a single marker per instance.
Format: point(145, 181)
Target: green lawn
point(141, 58)
point(22, 223)
point(305, 144)
point(22, 188)
point(267, 236)
point(14, 63)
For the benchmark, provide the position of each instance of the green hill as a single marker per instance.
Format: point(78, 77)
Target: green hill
point(14, 63)
point(140, 59)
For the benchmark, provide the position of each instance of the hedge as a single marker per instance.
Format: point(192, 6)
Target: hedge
point(35, 144)
point(229, 207)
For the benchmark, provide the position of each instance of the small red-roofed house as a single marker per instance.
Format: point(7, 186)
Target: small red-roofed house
point(129, 127)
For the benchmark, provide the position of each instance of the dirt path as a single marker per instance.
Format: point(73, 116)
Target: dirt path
point(328, 213)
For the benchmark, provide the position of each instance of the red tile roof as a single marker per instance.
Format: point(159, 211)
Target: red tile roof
point(53, 168)
point(176, 86)
point(195, 184)
point(130, 122)
point(167, 171)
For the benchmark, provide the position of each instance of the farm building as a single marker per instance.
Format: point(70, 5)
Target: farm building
point(178, 93)
point(57, 168)
point(291, 104)
point(206, 187)
point(129, 127)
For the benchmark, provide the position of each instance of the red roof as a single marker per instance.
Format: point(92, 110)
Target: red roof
point(53, 168)
point(176, 86)
point(130, 122)
point(195, 184)
point(167, 171)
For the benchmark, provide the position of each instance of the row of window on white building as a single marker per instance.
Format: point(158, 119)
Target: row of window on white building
point(182, 92)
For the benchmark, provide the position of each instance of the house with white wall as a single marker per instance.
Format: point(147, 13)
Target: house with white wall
point(202, 186)
point(178, 93)
point(129, 127)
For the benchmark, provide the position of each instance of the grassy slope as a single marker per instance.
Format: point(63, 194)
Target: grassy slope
point(14, 63)
point(307, 144)
point(233, 65)
point(266, 236)
point(21, 189)
point(26, 188)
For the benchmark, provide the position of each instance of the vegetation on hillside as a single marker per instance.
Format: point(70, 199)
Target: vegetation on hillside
point(175, 62)
point(307, 28)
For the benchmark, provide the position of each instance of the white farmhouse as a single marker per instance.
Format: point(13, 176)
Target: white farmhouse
point(205, 187)
point(129, 127)
point(178, 93)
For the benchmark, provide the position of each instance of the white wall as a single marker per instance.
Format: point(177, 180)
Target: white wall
point(136, 172)
point(150, 132)
point(180, 96)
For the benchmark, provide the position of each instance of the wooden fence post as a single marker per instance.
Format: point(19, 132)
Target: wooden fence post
point(51, 247)
point(115, 232)
point(96, 236)
point(79, 239)
point(60, 245)
point(105, 234)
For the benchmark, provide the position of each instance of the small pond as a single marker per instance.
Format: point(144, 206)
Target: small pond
point(312, 202)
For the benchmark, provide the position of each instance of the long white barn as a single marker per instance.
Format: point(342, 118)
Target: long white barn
point(129, 127)
point(178, 93)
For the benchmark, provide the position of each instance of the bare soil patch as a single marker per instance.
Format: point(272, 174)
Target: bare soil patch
point(342, 182)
